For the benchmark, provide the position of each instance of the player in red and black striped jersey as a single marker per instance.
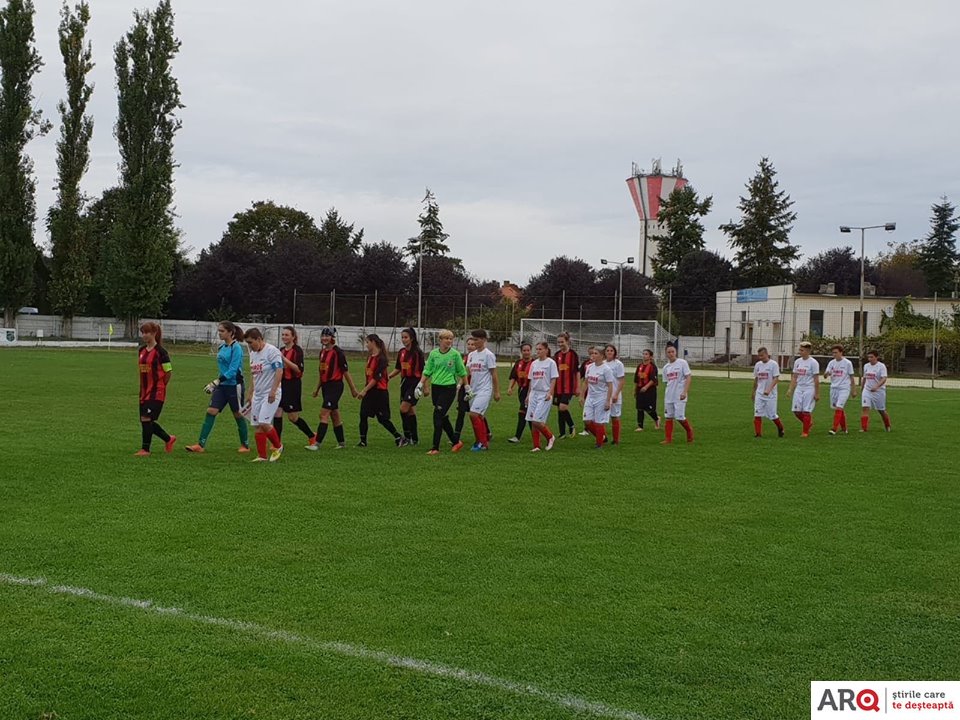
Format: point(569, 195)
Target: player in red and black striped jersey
point(333, 372)
point(645, 388)
point(409, 367)
point(568, 364)
point(155, 371)
point(520, 380)
point(375, 396)
point(291, 385)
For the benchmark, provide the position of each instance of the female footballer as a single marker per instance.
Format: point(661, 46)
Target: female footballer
point(645, 390)
point(520, 379)
point(619, 377)
point(266, 370)
point(291, 389)
point(568, 364)
point(155, 371)
point(333, 372)
point(410, 369)
point(443, 374)
point(375, 395)
point(597, 395)
point(543, 375)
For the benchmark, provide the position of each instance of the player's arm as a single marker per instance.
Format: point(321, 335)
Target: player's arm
point(496, 383)
point(853, 384)
point(396, 369)
point(236, 361)
point(610, 386)
point(793, 383)
point(292, 367)
point(513, 379)
point(686, 385)
point(816, 387)
point(773, 385)
point(756, 383)
point(460, 372)
point(880, 383)
point(426, 376)
point(620, 383)
point(166, 366)
point(552, 391)
point(277, 379)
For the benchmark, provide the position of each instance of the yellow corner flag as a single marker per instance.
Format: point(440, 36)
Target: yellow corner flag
point(110, 330)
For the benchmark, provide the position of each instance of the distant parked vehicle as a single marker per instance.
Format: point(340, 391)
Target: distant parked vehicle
point(28, 311)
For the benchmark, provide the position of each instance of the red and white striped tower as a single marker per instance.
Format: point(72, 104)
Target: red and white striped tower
point(647, 191)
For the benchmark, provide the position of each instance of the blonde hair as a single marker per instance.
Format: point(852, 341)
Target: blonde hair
point(445, 335)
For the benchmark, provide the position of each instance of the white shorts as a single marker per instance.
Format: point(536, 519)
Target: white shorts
point(480, 402)
point(765, 407)
point(876, 400)
point(261, 411)
point(595, 411)
point(616, 409)
point(839, 397)
point(538, 409)
point(803, 400)
point(675, 410)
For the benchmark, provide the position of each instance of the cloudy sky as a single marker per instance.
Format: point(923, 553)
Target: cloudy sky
point(524, 117)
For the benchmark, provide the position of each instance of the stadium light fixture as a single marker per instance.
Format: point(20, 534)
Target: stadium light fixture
point(619, 305)
point(889, 227)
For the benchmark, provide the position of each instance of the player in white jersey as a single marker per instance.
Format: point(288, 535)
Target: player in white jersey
point(840, 372)
point(263, 399)
point(766, 377)
point(542, 378)
point(597, 395)
point(484, 386)
point(677, 376)
point(805, 380)
point(874, 391)
point(619, 377)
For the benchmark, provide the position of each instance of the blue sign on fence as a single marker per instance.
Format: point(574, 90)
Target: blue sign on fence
point(749, 295)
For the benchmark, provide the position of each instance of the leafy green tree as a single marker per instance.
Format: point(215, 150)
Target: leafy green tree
point(263, 226)
point(761, 237)
point(72, 270)
point(839, 266)
point(639, 302)
point(432, 238)
point(338, 238)
point(680, 213)
point(139, 254)
point(938, 251)
point(19, 124)
point(700, 276)
point(899, 272)
point(561, 275)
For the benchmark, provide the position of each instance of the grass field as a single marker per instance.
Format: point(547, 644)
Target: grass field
point(706, 581)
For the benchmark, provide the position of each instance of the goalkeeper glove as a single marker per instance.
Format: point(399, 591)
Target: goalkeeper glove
point(210, 387)
point(418, 391)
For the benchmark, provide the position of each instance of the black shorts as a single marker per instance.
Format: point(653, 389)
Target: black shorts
point(376, 403)
point(647, 400)
point(443, 397)
point(224, 395)
point(407, 387)
point(291, 395)
point(562, 399)
point(522, 395)
point(463, 405)
point(151, 409)
point(332, 391)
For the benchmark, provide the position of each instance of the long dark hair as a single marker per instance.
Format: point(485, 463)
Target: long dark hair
point(381, 347)
point(414, 343)
point(293, 331)
point(234, 330)
point(152, 327)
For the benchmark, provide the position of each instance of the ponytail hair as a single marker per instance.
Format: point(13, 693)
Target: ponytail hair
point(610, 346)
point(152, 327)
point(414, 343)
point(544, 344)
point(293, 331)
point(234, 330)
point(381, 347)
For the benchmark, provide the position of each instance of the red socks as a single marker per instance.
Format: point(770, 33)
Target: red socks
point(480, 429)
point(686, 426)
point(261, 439)
point(757, 425)
point(886, 421)
point(274, 437)
point(600, 432)
point(778, 424)
point(807, 420)
point(864, 422)
point(616, 429)
point(536, 438)
point(668, 430)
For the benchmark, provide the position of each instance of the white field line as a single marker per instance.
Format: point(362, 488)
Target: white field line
point(422, 667)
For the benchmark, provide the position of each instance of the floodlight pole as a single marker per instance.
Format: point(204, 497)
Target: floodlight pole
point(619, 306)
point(889, 227)
point(420, 286)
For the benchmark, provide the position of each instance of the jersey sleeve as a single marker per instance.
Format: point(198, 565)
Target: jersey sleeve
point(163, 358)
point(554, 372)
point(776, 371)
point(398, 365)
point(275, 359)
point(236, 360)
point(491, 361)
point(816, 367)
point(298, 358)
point(428, 365)
point(460, 370)
point(342, 358)
point(380, 369)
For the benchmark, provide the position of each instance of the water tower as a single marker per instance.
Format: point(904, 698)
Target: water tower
point(647, 191)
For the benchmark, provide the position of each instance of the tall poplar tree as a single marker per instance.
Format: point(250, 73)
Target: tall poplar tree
point(72, 260)
point(762, 237)
point(20, 123)
point(139, 254)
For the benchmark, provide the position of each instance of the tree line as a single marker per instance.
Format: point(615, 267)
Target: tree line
point(120, 253)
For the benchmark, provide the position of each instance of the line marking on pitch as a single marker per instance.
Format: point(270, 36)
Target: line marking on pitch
point(423, 667)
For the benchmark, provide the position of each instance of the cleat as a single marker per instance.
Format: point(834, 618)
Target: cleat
point(550, 443)
point(362, 443)
point(259, 459)
point(886, 429)
point(142, 453)
point(598, 446)
point(689, 441)
point(666, 442)
point(243, 449)
point(583, 433)
point(804, 435)
point(433, 452)
point(312, 447)
point(457, 447)
point(478, 448)
point(639, 429)
point(780, 433)
point(276, 453)
point(195, 448)
point(831, 432)
point(862, 430)
point(340, 446)
point(535, 450)
point(168, 446)
point(400, 441)
point(514, 440)
point(757, 435)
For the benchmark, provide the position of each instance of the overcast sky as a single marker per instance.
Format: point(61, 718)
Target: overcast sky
point(524, 117)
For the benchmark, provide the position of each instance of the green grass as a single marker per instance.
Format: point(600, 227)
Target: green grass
point(705, 581)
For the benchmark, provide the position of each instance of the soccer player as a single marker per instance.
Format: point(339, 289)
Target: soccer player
point(567, 364)
point(520, 379)
point(463, 403)
point(443, 374)
point(227, 389)
point(266, 370)
point(375, 395)
point(620, 378)
point(805, 380)
point(155, 370)
point(410, 369)
point(597, 395)
point(677, 375)
point(874, 395)
point(766, 377)
point(542, 374)
point(333, 372)
point(840, 372)
point(645, 390)
point(291, 389)
point(484, 386)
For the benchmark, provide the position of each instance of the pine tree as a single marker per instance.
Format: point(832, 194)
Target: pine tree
point(680, 213)
point(72, 272)
point(139, 254)
point(432, 238)
point(761, 238)
point(938, 251)
point(19, 124)
point(338, 238)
